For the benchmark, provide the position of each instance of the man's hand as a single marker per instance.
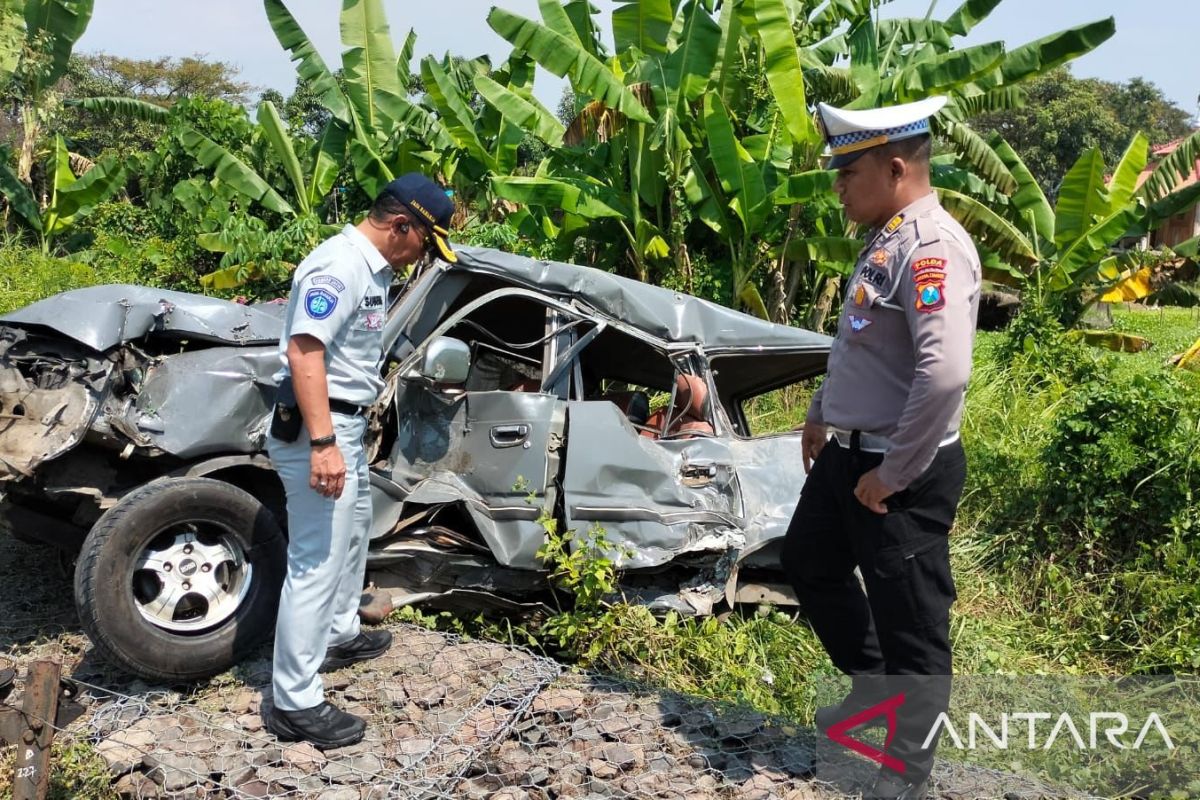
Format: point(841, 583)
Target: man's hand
point(812, 442)
point(871, 492)
point(328, 474)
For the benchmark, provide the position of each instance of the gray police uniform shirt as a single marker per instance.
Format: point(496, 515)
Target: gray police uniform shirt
point(340, 296)
point(900, 363)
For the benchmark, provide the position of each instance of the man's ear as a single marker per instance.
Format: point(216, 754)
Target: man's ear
point(898, 168)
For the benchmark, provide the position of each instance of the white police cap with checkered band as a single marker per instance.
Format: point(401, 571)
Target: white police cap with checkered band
point(851, 133)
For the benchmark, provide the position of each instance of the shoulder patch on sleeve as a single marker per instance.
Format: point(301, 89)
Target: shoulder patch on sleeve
point(319, 303)
point(328, 280)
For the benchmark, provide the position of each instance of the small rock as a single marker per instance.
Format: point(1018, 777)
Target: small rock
point(176, 771)
point(303, 756)
point(344, 793)
point(136, 786)
point(415, 747)
point(760, 787)
point(622, 756)
point(374, 606)
point(251, 722)
point(424, 692)
point(247, 701)
point(124, 750)
point(602, 769)
point(804, 793)
point(253, 789)
point(613, 727)
point(564, 703)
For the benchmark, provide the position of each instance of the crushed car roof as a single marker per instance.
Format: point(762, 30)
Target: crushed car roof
point(666, 314)
point(105, 316)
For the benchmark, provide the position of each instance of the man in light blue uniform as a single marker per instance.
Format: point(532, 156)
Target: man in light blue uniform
point(332, 352)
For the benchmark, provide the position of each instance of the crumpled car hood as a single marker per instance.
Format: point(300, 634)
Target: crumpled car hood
point(102, 317)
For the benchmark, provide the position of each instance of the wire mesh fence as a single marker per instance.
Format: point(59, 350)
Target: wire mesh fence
point(447, 718)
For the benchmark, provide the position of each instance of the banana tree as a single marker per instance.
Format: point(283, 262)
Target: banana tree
point(71, 197)
point(36, 38)
point(1071, 250)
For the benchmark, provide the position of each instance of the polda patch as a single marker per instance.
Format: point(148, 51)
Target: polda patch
point(923, 265)
point(931, 296)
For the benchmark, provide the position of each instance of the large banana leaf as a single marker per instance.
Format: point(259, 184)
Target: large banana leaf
point(404, 60)
point(61, 22)
point(370, 170)
point(687, 71)
point(61, 178)
point(453, 111)
point(12, 36)
point(643, 24)
point(804, 187)
point(992, 230)
point(1082, 198)
point(1123, 182)
point(1092, 246)
point(20, 197)
point(825, 250)
point(580, 13)
point(277, 135)
point(1162, 210)
point(329, 154)
point(526, 114)
point(369, 61)
point(127, 107)
point(702, 197)
point(950, 70)
point(94, 187)
point(783, 68)
point(1112, 340)
point(555, 17)
point(585, 198)
point(415, 120)
point(1042, 55)
point(740, 177)
point(309, 64)
point(230, 170)
point(1004, 98)
point(980, 157)
point(725, 80)
point(1028, 200)
point(562, 57)
point(1191, 358)
point(968, 15)
point(1167, 175)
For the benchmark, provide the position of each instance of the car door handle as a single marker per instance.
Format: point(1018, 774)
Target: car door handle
point(509, 435)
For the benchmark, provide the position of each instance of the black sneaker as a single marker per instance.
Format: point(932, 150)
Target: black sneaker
point(325, 726)
point(890, 786)
point(364, 647)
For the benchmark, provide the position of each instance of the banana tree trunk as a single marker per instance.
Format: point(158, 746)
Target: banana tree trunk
point(824, 304)
point(780, 308)
point(31, 129)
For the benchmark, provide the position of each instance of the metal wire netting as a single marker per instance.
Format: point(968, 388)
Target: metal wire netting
point(447, 718)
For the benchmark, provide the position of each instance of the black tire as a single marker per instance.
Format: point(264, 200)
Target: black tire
point(111, 592)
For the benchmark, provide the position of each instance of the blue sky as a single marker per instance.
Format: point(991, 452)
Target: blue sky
point(1157, 39)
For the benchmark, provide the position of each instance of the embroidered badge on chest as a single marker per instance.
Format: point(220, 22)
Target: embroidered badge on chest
point(859, 323)
point(860, 294)
point(373, 321)
point(320, 303)
point(880, 257)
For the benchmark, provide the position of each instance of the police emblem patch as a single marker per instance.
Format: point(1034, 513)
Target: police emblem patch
point(880, 257)
point(859, 323)
point(930, 297)
point(860, 294)
point(320, 303)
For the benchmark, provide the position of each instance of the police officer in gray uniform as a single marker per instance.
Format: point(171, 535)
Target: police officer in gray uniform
point(332, 352)
point(881, 446)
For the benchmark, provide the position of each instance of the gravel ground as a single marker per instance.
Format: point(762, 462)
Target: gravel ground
point(446, 718)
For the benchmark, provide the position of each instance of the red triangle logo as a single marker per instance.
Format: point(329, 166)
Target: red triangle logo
point(838, 732)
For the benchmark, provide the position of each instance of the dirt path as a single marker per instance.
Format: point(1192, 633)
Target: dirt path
point(447, 718)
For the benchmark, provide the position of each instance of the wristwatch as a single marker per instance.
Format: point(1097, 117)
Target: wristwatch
point(324, 440)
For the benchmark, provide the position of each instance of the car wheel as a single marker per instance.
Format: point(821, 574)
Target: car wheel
point(180, 579)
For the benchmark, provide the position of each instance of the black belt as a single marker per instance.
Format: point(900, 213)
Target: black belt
point(343, 407)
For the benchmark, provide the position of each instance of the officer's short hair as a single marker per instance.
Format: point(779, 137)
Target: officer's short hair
point(916, 149)
point(386, 206)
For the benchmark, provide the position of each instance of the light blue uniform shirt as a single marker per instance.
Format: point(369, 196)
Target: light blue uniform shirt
point(340, 296)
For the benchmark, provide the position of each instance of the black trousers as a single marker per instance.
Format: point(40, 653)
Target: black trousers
point(900, 627)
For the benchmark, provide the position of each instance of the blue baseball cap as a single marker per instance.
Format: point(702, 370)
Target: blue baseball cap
point(428, 203)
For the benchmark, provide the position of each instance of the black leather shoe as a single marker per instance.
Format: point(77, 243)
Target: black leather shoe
point(365, 646)
point(826, 717)
point(325, 726)
point(890, 786)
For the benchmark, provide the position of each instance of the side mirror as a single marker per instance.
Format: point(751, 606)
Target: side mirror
point(447, 361)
